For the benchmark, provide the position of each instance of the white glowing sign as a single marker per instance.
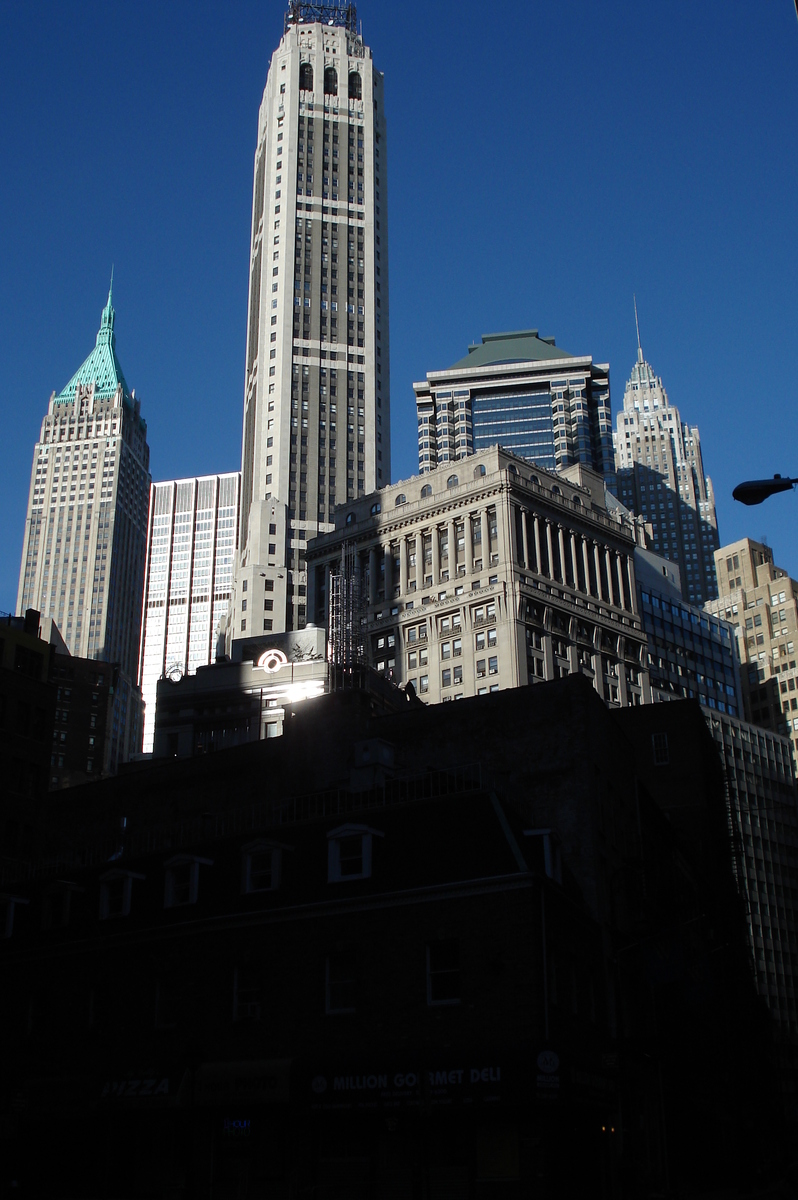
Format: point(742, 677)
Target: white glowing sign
point(272, 660)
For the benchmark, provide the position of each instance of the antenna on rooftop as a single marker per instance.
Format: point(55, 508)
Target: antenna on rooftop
point(637, 327)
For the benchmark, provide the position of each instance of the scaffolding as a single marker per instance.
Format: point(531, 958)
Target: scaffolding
point(345, 646)
point(342, 15)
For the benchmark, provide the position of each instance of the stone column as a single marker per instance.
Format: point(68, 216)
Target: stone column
point(550, 549)
point(586, 565)
point(574, 561)
point(436, 556)
point(538, 557)
point(373, 575)
point(608, 560)
point(629, 581)
point(388, 559)
point(403, 565)
point(597, 561)
point(619, 577)
point(450, 533)
point(561, 541)
point(525, 538)
point(485, 538)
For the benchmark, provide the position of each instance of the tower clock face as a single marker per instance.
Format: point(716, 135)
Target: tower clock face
point(174, 673)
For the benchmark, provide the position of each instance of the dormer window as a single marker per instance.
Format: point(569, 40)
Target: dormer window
point(116, 887)
point(349, 852)
point(182, 879)
point(261, 867)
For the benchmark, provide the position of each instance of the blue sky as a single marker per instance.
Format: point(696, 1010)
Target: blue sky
point(546, 160)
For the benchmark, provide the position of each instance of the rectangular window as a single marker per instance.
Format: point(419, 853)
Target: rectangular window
point(659, 744)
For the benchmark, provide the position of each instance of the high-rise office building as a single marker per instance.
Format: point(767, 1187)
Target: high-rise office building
point(524, 393)
point(761, 602)
point(317, 392)
point(191, 546)
point(660, 476)
point(86, 529)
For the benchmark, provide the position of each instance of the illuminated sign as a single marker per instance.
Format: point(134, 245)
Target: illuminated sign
point(272, 660)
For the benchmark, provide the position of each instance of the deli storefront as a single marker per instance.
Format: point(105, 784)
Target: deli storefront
point(464, 1125)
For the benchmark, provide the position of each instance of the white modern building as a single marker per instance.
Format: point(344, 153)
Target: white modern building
point(317, 394)
point(660, 476)
point(191, 545)
point(86, 528)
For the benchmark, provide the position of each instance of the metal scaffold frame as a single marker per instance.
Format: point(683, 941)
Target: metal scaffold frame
point(344, 638)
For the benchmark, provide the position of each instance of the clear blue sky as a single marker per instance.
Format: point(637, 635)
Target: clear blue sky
point(546, 160)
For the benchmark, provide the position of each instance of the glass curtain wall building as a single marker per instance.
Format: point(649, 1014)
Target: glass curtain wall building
point(190, 550)
point(86, 529)
point(523, 393)
point(317, 393)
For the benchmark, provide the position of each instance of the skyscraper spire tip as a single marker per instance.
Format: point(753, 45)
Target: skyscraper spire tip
point(637, 327)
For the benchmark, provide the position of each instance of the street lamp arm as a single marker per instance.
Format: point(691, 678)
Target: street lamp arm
point(754, 491)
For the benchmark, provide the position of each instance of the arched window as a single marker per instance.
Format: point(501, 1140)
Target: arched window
point(426, 491)
point(577, 499)
point(350, 518)
point(355, 86)
point(452, 481)
point(555, 491)
point(400, 499)
point(513, 469)
point(534, 479)
point(305, 77)
point(375, 508)
point(479, 471)
point(330, 81)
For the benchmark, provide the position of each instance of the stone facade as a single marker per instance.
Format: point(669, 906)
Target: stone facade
point(660, 476)
point(494, 578)
point(317, 392)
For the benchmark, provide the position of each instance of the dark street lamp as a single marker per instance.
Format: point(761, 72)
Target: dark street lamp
point(754, 491)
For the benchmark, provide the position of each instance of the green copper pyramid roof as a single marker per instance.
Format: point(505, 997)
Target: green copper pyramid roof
point(102, 366)
point(521, 346)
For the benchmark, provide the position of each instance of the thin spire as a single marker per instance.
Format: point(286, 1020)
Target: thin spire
point(111, 290)
point(637, 327)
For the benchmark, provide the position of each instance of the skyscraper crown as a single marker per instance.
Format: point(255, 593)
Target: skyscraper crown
point(102, 366)
point(342, 15)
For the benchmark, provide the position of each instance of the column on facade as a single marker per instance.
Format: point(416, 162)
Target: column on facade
point(629, 581)
point(436, 555)
point(574, 560)
point(561, 543)
point(597, 562)
point(619, 579)
point(403, 565)
point(610, 588)
point(483, 516)
point(550, 549)
point(388, 558)
point(453, 547)
point(538, 557)
point(586, 565)
point(525, 538)
point(373, 575)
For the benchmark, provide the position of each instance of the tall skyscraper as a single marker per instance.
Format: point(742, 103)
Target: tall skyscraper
point(660, 476)
point(86, 529)
point(190, 550)
point(317, 393)
point(524, 393)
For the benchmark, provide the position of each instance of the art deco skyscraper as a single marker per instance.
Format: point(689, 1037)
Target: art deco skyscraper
point(317, 392)
point(86, 530)
point(660, 474)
